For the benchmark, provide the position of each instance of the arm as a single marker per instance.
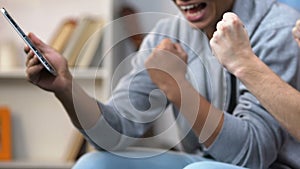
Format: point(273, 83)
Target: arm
point(70, 94)
point(134, 105)
point(167, 68)
point(253, 137)
point(232, 48)
point(215, 129)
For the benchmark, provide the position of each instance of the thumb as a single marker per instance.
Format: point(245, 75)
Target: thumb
point(37, 42)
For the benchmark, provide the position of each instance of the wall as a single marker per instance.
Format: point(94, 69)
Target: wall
point(41, 129)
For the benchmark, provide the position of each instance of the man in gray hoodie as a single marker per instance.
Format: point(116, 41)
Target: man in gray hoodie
point(217, 117)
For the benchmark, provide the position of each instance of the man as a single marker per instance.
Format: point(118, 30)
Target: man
point(236, 130)
point(233, 49)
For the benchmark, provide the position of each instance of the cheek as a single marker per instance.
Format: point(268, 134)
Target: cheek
point(214, 15)
point(211, 18)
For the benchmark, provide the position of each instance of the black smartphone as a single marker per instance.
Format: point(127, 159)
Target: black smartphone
point(16, 27)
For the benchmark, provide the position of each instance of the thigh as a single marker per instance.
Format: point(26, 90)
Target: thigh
point(146, 159)
point(211, 165)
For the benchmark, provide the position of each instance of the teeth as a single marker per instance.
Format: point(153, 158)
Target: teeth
point(188, 7)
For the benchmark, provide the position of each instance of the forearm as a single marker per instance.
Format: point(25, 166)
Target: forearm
point(83, 110)
point(204, 118)
point(279, 98)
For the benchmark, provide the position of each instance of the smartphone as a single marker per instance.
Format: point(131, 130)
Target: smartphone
point(39, 55)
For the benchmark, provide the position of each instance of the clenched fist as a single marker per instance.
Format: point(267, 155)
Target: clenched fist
point(230, 43)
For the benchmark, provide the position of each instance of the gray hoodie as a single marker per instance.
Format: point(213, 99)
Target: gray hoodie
point(250, 136)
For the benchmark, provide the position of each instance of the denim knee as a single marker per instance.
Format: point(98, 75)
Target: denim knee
point(93, 160)
point(108, 160)
point(211, 165)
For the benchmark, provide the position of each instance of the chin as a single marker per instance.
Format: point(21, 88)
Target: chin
point(199, 25)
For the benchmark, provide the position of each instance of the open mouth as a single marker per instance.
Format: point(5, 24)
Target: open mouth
point(194, 12)
point(193, 7)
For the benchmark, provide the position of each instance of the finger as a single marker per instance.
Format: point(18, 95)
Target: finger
point(30, 55)
point(181, 51)
point(33, 61)
point(215, 44)
point(220, 25)
point(33, 73)
point(296, 33)
point(298, 42)
point(26, 49)
point(165, 44)
point(229, 16)
point(216, 36)
point(298, 24)
point(34, 70)
point(226, 16)
point(233, 20)
point(179, 48)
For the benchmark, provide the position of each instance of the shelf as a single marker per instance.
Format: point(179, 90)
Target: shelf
point(36, 165)
point(90, 73)
point(12, 74)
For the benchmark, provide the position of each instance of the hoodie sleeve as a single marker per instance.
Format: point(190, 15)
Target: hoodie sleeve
point(134, 104)
point(251, 137)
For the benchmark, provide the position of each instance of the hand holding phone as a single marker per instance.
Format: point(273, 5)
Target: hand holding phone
point(39, 55)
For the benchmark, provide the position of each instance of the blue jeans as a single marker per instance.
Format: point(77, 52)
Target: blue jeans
point(150, 160)
point(211, 165)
